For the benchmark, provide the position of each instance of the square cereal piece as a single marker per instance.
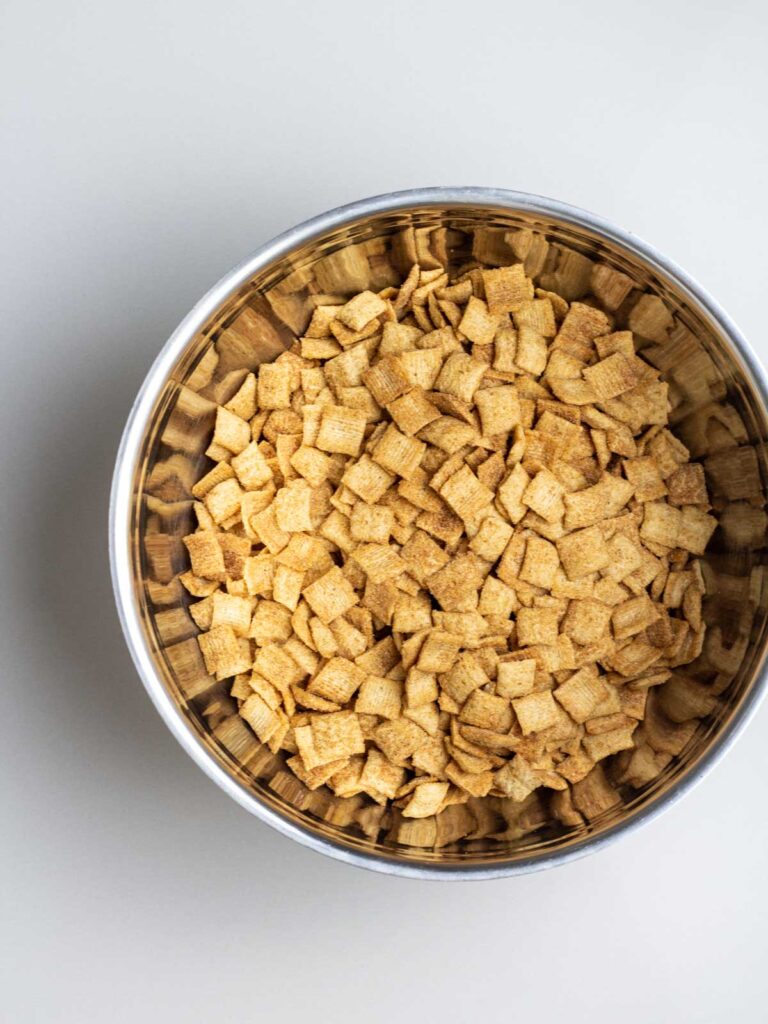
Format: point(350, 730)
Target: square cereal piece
point(319, 325)
point(197, 586)
point(225, 653)
point(492, 471)
point(496, 598)
point(293, 507)
point(361, 399)
point(312, 464)
point(286, 586)
point(661, 524)
point(603, 500)
point(420, 688)
point(331, 595)
point(336, 735)
point(275, 385)
point(422, 555)
point(505, 350)
point(243, 402)
point(487, 711)
point(477, 324)
point(387, 380)
point(625, 559)
point(319, 348)
point(696, 529)
point(538, 315)
point(606, 743)
point(264, 720)
point(341, 430)
point(634, 616)
point(400, 739)
point(535, 711)
point(421, 367)
point(223, 500)
point(540, 564)
point(491, 538)
point(460, 376)
point(206, 557)
point(583, 552)
point(634, 659)
point(398, 338)
point(202, 612)
point(231, 611)
point(531, 352)
point(687, 485)
point(337, 681)
point(412, 612)
point(367, 479)
point(581, 325)
point(305, 552)
point(619, 341)
point(397, 453)
point(455, 586)
point(612, 376)
point(230, 431)
point(379, 562)
point(586, 621)
point(581, 693)
point(544, 494)
point(506, 289)
point(347, 337)
point(277, 666)
point(537, 626)
point(643, 473)
point(412, 411)
point(444, 526)
point(271, 623)
point(252, 469)
point(463, 678)
point(360, 310)
point(466, 495)
point(258, 573)
point(318, 776)
point(323, 639)
point(449, 434)
point(438, 652)
point(668, 452)
point(576, 767)
point(221, 471)
point(499, 409)
point(371, 523)
point(515, 678)
point(510, 494)
point(426, 800)
point(380, 776)
point(379, 659)
point(476, 784)
point(380, 696)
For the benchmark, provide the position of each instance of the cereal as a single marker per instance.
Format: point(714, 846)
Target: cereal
point(447, 544)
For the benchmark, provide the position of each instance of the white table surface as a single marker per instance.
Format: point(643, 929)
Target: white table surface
point(149, 146)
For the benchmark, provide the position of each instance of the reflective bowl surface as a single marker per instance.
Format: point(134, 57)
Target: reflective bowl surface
point(719, 397)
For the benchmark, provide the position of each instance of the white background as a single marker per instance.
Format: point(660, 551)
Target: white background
point(148, 147)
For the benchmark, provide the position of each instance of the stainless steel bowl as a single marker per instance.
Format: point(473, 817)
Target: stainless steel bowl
point(720, 396)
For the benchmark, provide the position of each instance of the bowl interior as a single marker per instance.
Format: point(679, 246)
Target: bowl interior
point(717, 412)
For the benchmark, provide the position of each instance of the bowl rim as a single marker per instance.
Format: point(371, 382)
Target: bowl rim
point(120, 512)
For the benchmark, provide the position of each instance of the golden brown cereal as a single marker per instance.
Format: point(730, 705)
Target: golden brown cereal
point(447, 543)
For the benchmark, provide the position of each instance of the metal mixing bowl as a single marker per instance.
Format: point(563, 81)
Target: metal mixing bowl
point(719, 393)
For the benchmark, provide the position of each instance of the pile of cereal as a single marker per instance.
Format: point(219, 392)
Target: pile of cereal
point(448, 545)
